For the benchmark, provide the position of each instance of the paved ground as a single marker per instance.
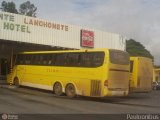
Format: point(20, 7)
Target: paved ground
point(29, 101)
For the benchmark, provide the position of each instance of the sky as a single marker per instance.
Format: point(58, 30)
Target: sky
point(136, 19)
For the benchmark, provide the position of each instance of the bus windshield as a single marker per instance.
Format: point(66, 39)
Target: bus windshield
point(119, 57)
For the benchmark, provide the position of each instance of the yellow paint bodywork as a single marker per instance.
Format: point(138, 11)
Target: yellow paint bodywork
point(45, 77)
point(156, 74)
point(142, 74)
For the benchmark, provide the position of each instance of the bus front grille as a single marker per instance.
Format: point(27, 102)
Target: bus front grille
point(95, 88)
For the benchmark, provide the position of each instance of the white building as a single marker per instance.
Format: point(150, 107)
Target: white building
point(22, 33)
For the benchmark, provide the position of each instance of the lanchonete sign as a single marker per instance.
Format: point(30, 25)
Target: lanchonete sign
point(11, 24)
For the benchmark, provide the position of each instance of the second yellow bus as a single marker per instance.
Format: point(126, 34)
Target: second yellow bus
point(141, 74)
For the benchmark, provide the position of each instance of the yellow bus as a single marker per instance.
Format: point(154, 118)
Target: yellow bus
point(94, 73)
point(141, 74)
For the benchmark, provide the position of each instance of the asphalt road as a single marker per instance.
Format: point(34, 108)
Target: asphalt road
point(32, 101)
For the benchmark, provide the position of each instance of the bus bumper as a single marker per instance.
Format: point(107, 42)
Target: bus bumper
point(116, 93)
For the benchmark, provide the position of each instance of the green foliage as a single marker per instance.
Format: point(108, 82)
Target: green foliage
point(8, 7)
point(135, 48)
point(27, 9)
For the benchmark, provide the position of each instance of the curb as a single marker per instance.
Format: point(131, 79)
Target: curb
point(8, 86)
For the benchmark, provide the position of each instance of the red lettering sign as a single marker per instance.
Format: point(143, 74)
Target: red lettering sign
point(87, 38)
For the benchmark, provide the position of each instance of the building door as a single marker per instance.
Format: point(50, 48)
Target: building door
point(3, 67)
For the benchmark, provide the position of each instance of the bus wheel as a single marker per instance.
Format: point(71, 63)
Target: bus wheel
point(57, 89)
point(16, 82)
point(70, 91)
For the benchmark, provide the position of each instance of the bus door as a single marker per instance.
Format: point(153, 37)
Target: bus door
point(20, 69)
point(4, 67)
point(131, 77)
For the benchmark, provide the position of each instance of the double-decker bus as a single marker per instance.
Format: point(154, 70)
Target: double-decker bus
point(94, 73)
point(141, 74)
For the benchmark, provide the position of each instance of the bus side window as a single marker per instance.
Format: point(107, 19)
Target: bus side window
point(73, 59)
point(31, 59)
point(45, 59)
point(53, 59)
point(79, 59)
point(21, 59)
point(131, 66)
point(49, 59)
point(35, 59)
point(18, 59)
point(87, 60)
point(41, 57)
point(61, 59)
point(98, 59)
point(28, 59)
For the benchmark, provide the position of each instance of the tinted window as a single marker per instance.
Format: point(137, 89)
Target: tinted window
point(87, 59)
point(131, 66)
point(119, 57)
point(47, 59)
point(61, 59)
point(98, 59)
point(73, 59)
point(92, 59)
point(35, 59)
point(20, 59)
point(27, 59)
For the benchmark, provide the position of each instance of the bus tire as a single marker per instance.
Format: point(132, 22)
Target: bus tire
point(16, 82)
point(57, 89)
point(70, 90)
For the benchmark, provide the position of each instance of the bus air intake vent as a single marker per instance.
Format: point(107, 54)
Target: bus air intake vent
point(95, 88)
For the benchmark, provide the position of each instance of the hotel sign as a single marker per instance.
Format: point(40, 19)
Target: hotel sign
point(9, 24)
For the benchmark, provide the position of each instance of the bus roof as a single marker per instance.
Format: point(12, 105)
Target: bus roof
point(63, 51)
point(136, 57)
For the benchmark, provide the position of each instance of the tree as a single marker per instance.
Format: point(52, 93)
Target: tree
point(27, 9)
point(135, 48)
point(8, 7)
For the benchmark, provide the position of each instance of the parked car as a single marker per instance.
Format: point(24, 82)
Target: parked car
point(156, 85)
